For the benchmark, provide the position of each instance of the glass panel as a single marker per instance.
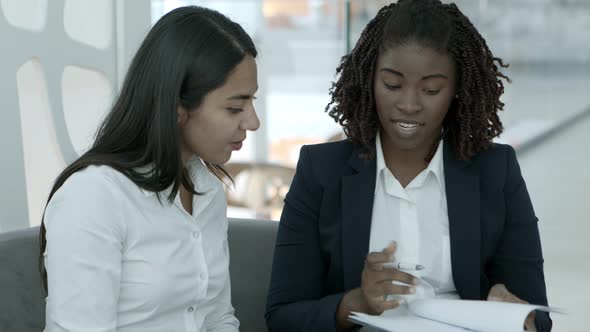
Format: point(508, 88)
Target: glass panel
point(546, 44)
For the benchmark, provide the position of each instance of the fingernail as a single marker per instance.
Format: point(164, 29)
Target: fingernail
point(412, 290)
point(415, 282)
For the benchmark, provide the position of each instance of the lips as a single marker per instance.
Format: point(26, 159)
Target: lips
point(236, 146)
point(406, 128)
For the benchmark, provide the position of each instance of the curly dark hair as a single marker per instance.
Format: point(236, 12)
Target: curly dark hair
point(472, 120)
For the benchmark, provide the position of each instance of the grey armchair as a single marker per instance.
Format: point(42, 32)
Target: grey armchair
point(22, 298)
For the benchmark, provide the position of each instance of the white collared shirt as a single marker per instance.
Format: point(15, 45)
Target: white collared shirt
point(118, 260)
point(416, 218)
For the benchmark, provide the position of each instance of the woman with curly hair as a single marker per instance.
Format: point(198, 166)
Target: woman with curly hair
point(417, 181)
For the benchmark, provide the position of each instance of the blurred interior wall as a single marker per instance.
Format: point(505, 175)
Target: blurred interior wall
point(62, 64)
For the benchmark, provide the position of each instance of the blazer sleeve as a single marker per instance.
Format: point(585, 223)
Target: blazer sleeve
point(518, 259)
point(296, 300)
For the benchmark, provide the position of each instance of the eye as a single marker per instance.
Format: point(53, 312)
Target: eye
point(235, 110)
point(392, 87)
point(431, 92)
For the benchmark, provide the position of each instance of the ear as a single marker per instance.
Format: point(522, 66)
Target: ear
point(181, 115)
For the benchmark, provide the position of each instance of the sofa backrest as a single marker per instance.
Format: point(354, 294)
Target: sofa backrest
point(22, 298)
point(251, 248)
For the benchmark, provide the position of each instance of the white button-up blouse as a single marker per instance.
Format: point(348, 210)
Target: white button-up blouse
point(118, 259)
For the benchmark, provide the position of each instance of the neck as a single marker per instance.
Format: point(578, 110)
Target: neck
point(405, 165)
point(405, 158)
point(185, 155)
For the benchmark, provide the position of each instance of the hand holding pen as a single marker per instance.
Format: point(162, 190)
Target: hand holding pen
point(377, 282)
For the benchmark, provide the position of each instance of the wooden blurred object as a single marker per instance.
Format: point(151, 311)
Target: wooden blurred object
point(259, 187)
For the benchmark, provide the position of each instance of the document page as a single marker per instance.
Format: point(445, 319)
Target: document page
point(443, 315)
point(484, 316)
point(403, 321)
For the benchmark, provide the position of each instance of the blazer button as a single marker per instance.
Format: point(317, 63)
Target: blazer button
point(190, 309)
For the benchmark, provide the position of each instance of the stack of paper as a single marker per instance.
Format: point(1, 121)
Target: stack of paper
point(442, 315)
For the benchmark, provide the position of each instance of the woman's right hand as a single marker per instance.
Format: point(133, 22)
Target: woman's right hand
point(376, 284)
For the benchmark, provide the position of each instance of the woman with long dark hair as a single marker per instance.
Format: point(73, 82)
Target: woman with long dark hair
point(134, 235)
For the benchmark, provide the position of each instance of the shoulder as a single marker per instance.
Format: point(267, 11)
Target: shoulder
point(331, 150)
point(496, 153)
point(93, 180)
point(498, 163)
point(95, 190)
point(327, 157)
point(90, 197)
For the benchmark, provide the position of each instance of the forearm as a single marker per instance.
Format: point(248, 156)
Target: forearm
point(308, 315)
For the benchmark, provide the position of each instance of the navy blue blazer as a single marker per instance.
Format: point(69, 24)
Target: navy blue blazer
point(323, 236)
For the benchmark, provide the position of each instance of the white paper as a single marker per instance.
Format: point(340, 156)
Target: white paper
point(443, 315)
point(484, 316)
point(400, 320)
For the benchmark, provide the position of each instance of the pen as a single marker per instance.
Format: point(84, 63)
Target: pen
point(404, 266)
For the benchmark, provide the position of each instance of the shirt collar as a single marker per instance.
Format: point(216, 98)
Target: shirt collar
point(196, 170)
point(436, 165)
point(379, 151)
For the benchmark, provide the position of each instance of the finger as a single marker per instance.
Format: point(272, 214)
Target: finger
point(375, 260)
point(390, 249)
point(506, 297)
point(515, 299)
point(530, 322)
point(396, 275)
point(387, 288)
point(379, 306)
point(497, 293)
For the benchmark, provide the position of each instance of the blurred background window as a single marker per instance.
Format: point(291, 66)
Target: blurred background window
point(546, 43)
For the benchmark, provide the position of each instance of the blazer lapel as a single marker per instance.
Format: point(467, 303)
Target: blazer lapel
point(463, 199)
point(357, 206)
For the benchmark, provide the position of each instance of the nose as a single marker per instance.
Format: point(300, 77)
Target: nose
point(409, 102)
point(250, 121)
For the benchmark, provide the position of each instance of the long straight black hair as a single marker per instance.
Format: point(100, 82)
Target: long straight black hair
point(188, 53)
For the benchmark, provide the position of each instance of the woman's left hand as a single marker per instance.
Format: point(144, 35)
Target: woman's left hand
point(500, 293)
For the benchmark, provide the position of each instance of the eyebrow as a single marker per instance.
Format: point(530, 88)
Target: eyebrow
point(240, 97)
point(243, 96)
point(397, 73)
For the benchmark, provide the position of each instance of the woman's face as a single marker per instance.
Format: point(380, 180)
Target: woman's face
point(219, 125)
point(414, 87)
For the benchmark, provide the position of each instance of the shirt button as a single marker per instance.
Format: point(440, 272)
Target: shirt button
point(190, 309)
point(196, 235)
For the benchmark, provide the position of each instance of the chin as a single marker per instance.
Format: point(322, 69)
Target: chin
point(407, 144)
point(223, 159)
